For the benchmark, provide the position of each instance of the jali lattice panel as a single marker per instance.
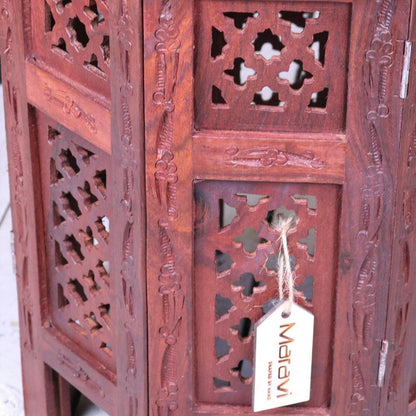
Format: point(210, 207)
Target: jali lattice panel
point(76, 215)
point(236, 260)
point(72, 38)
point(263, 65)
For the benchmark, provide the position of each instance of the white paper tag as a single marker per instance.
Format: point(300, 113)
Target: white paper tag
point(282, 358)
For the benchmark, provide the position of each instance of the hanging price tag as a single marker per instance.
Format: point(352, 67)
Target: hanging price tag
point(282, 357)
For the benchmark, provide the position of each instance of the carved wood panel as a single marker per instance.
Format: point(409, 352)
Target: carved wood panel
point(72, 38)
point(77, 212)
point(236, 263)
point(264, 66)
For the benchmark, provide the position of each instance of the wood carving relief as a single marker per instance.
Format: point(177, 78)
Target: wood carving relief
point(267, 157)
point(236, 257)
point(70, 106)
point(379, 58)
point(167, 50)
point(267, 65)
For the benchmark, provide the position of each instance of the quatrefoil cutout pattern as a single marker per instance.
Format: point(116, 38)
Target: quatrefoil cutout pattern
point(78, 237)
point(263, 65)
point(74, 36)
point(236, 264)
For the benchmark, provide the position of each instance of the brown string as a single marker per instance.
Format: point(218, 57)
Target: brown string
point(285, 277)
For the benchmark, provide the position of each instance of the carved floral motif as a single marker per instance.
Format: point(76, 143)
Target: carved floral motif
point(167, 48)
point(268, 157)
point(70, 106)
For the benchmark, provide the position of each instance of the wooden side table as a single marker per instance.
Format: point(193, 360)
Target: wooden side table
point(150, 144)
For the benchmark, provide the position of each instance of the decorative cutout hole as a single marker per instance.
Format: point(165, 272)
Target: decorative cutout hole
point(102, 225)
point(49, 20)
point(92, 65)
point(93, 287)
point(70, 205)
point(55, 174)
point(281, 214)
point(89, 197)
point(93, 14)
point(105, 312)
point(89, 239)
point(105, 49)
point(267, 97)
point(248, 285)
point(253, 200)
point(306, 288)
point(218, 42)
point(222, 348)
point(267, 44)
point(217, 97)
point(309, 241)
point(77, 291)
point(58, 219)
point(74, 248)
point(77, 33)
point(244, 371)
point(103, 270)
point(223, 262)
point(60, 260)
point(227, 214)
point(107, 348)
point(60, 5)
point(240, 19)
point(319, 46)
point(309, 199)
point(319, 99)
point(68, 162)
point(244, 329)
point(100, 181)
point(53, 134)
point(250, 240)
point(85, 154)
point(298, 19)
point(296, 75)
point(240, 73)
point(60, 48)
point(62, 300)
point(223, 306)
point(92, 322)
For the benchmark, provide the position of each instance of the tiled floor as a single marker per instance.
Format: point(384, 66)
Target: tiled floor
point(11, 398)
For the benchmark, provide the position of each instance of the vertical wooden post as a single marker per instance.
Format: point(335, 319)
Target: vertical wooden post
point(366, 234)
point(168, 55)
point(128, 196)
point(37, 384)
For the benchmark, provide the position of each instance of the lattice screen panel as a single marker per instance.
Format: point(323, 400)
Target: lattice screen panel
point(264, 65)
point(235, 277)
point(72, 37)
point(77, 214)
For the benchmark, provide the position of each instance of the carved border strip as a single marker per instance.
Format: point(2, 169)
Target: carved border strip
point(128, 273)
point(167, 49)
point(15, 137)
point(378, 61)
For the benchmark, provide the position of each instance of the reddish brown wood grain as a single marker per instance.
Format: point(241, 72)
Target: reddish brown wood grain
point(172, 147)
